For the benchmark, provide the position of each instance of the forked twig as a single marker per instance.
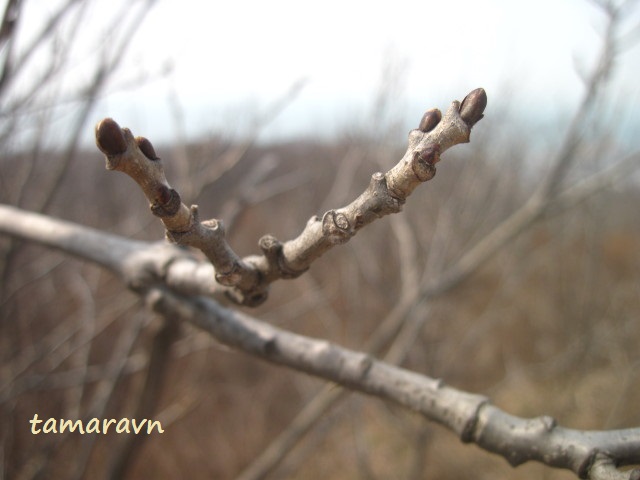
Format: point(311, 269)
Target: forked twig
point(250, 277)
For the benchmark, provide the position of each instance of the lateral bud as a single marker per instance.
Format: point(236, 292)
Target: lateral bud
point(109, 137)
point(145, 147)
point(424, 163)
point(430, 119)
point(473, 105)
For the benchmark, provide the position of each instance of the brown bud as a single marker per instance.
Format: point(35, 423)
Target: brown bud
point(109, 137)
point(145, 147)
point(472, 106)
point(424, 162)
point(431, 154)
point(430, 119)
point(167, 202)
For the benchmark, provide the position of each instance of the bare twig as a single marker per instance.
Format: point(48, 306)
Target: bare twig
point(251, 276)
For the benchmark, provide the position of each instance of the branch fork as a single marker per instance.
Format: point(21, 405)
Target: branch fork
point(249, 278)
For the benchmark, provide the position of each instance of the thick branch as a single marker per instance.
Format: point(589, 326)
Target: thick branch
point(470, 416)
point(541, 439)
point(138, 264)
point(83, 242)
point(252, 275)
point(453, 408)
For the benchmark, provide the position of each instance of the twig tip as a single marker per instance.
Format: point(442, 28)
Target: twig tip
point(109, 137)
point(473, 105)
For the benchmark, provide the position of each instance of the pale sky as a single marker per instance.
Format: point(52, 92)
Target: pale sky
point(233, 58)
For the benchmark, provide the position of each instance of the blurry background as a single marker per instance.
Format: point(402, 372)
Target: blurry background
point(266, 114)
point(222, 64)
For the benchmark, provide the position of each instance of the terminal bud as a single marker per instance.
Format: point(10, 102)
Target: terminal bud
point(473, 106)
point(109, 137)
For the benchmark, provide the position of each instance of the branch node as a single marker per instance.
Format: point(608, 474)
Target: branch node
point(214, 225)
point(270, 347)
point(469, 431)
point(378, 188)
point(547, 423)
point(272, 249)
point(249, 299)
point(423, 162)
point(178, 236)
point(270, 246)
point(336, 227)
point(167, 203)
point(365, 365)
point(378, 180)
point(230, 277)
point(378, 185)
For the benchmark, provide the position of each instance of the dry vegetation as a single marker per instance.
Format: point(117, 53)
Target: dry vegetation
point(548, 325)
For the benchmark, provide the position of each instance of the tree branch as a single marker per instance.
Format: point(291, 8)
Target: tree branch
point(148, 270)
point(136, 263)
point(250, 277)
point(470, 416)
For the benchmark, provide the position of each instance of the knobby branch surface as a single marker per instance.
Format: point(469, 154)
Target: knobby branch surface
point(249, 277)
point(590, 454)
